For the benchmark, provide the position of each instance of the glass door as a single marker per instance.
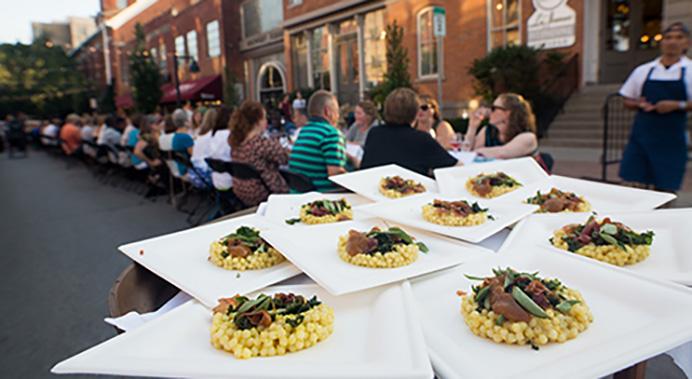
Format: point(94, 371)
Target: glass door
point(630, 34)
point(347, 63)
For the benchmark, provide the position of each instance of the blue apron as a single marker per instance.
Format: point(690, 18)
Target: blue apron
point(657, 149)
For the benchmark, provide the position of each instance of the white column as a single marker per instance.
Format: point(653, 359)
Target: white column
point(360, 20)
point(591, 41)
point(308, 37)
point(332, 61)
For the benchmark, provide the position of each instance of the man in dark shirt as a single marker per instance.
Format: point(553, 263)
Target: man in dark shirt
point(397, 142)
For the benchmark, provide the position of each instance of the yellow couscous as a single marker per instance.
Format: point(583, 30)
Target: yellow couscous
point(491, 185)
point(244, 250)
point(606, 253)
point(277, 332)
point(521, 308)
point(457, 213)
point(606, 241)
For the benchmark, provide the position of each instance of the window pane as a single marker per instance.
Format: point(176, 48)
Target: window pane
point(428, 59)
point(513, 37)
point(512, 12)
point(260, 16)
point(299, 49)
point(180, 45)
point(213, 43)
point(375, 48)
point(618, 25)
point(348, 26)
point(651, 25)
point(162, 59)
point(192, 44)
point(425, 27)
point(320, 58)
point(152, 54)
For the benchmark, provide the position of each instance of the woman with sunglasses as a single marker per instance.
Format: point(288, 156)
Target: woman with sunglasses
point(428, 120)
point(510, 131)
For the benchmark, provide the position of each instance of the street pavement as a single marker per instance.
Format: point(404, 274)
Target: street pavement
point(59, 229)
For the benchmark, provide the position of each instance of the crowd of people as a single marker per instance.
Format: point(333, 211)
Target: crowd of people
point(306, 136)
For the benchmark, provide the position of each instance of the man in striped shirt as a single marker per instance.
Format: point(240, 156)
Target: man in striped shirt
point(319, 151)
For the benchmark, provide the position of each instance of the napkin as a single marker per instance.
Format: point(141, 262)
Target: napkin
point(133, 320)
point(682, 356)
point(466, 157)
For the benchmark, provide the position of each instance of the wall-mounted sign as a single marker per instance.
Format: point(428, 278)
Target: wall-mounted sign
point(552, 25)
point(439, 24)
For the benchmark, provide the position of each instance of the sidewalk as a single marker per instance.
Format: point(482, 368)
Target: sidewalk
point(584, 163)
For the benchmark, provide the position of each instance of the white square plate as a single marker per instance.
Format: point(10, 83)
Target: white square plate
point(603, 197)
point(314, 251)
point(452, 180)
point(367, 182)
point(671, 250)
point(408, 211)
point(367, 342)
point(634, 319)
point(181, 258)
point(283, 207)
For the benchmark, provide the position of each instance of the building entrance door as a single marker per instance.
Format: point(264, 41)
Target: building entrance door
point(347, 68)
point(271, 85)
point(630, 35)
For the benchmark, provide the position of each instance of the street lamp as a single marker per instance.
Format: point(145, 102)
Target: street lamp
point(194, 67)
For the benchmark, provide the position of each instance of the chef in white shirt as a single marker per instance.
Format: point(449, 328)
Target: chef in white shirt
point(660, 91)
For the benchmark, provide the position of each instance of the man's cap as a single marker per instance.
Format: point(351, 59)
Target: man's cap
point(677, 27)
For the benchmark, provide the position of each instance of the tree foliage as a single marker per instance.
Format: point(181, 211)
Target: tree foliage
point(397, 74)
point(507, 69)
point(146, 78)
point(40, 79)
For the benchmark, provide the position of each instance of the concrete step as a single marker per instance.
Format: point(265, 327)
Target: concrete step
point(575, 133)
point(578, 117)
point(590, 125)
point(571, 142)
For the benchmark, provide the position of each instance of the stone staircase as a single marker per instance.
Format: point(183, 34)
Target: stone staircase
point(580, 125)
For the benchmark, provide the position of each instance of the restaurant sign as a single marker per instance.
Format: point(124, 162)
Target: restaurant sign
point(552, 25)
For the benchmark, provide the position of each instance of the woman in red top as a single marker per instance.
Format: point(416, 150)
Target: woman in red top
point(248, 145)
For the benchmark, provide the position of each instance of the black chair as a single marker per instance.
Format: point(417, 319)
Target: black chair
point(297, 182)
point(237, 170)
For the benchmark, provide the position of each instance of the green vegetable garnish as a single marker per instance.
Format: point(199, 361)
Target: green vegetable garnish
point(529, 305)
point(566, 305)
point(292, 221)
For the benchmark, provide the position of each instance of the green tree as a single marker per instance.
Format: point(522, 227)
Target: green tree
point(146, 78)
point(39, 79)
point(507, 69)
point(397, 74)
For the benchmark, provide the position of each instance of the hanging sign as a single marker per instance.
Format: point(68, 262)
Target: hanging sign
point(552, 25)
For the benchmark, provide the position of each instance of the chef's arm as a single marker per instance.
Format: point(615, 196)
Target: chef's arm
point(631, 103)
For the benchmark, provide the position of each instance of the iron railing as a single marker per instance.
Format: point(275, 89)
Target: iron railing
point(617, 122)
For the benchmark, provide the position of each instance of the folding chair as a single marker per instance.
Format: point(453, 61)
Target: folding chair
point(297, 182)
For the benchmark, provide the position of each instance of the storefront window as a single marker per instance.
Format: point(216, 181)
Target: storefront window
point(180, 46)
point(163, 67)
point(299, 48)
point(192, 44)
point(503, 23)
point(320, 58)
point(375, 53)
point(261, 16)
point(427, 47)
point(213, 43)
point(618, 25)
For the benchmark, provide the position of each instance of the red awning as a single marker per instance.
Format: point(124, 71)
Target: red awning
point(124, 101)
point(207, 88)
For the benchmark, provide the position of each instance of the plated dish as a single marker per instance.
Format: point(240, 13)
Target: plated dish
point(559, 201)
point(492, 185)
point(395, 187)
point(243, 250)
point(324, 211)
point(455, 213)
point(521, 308)
point(269, 325)
point(379, 248)
point(606, 240)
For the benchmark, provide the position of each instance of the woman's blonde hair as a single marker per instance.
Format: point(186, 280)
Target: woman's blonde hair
point(208, 121)
point(243, 120)
point(521, 117)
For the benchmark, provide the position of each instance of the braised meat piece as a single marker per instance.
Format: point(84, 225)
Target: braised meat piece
point(237, 249)
point(482, 187)
point(359, 243)
point(224, 304)
point(504, 304)
point(460, 208)
point(539, 293)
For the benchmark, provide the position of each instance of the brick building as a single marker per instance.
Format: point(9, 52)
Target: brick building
point(339, 44)
point(91, 62)
point(177, 31)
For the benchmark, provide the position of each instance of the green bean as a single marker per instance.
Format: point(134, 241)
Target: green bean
point(527, 303)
